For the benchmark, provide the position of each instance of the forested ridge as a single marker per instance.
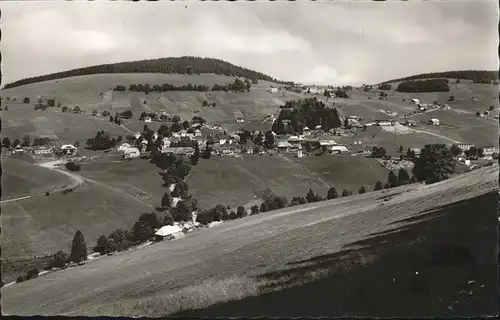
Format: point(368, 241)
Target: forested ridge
point(478, 76)
point(170, 65)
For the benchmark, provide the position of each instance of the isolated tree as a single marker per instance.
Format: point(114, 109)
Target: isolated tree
point(26, 141)
point(311, 196)
point(455, 150)
point(346, 193)
point(347, 125)
point(434, 164)
point(401, 149)
point(16, 143)
point(186, 125)
point(451, 98)
point(142, 231)
point(361, 190)
point(332, 193)
point(392, 179)
point(166, 201)
point(59, 259)
point(78, 248)
point(6, 142)
point(403, 177)
point(206, 152)
point(378, 186)
point(176, 119)
point(298, 200)
point(151, 219)
point(196, 156)
point(168, 220)
point(241, 212)
point(102, 246)
point(478, 114)
point(254, 210)
point(491, 108)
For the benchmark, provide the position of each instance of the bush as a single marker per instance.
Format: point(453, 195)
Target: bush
point(346, 193)
point(254, 210)
point(73, 166)
point(362, 190)
point(59, 259)
point(378, 186)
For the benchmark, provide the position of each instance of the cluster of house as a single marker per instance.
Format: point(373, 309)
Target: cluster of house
point(178, 230)
point(295, 144)
point(65, 150)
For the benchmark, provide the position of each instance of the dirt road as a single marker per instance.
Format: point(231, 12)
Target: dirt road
point(153, 281)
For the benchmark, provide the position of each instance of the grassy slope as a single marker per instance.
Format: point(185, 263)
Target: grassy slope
point(43, 224)
point(22, 178)
point(217, 265)
point(232, 181)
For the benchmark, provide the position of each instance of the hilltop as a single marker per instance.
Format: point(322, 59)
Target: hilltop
point(477, 76)
point(181, 65)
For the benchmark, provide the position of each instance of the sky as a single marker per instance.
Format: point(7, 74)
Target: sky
point(319, 43)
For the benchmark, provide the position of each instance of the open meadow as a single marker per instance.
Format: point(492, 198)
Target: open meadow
point(250, 256)
point(20, 177)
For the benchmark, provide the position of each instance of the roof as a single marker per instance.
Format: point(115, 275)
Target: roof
point(130, 150)
point(339, 148)
point(168, 230)
point(68, 146)
point(284, 144)
point(327, 143)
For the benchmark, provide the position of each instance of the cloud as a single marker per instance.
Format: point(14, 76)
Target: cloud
point(355, 42)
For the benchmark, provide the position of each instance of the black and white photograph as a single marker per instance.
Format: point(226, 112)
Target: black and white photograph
point(249, 159)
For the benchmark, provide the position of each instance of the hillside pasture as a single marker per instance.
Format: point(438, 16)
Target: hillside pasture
point(390, 141)
point(42, 224)
point(21, 178)
point(345, 171)
point(462, 127)
point(65, 127)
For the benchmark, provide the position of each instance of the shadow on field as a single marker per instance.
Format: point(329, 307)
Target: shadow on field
point(439, 263)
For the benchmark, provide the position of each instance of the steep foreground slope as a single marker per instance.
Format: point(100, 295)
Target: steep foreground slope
point(251, 256)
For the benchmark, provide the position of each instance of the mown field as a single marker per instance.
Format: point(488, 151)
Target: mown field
point(21, 120)
point(251, 256)
point(20, 177)
point(45, 224)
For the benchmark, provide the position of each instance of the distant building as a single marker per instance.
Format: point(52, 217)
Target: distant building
point(147, 119)
point(131, 153)
point(416, 151)
point(306, 131)
point(384, 123)
point(489, 151)
point(410, 123)
point(68, 150)
point(42, 150)
point(18, 149)
point(240, 120)
point(465, 146)
point(123, 147)
point(415, 101)
point(168, 232)
point(283, 146)
point(434, 121)
point(337, 149)
point(197, 133)
point(188, 151)
point(273, 90)
point(318, 127)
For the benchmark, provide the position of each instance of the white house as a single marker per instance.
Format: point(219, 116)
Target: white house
point(168, 232)
point(306, 131)
point(465, 146)
point(18, 149)
point(197, 133)
point(384, 123)
point(415, 101)
point(464, 161)
point(325, 143)
point(69, 149)
point(131, 153)
point(240, 120)
point(147, 119)
point(355, 118)
point(489, 151)
point(273, 90)
point(42, 150)
point(338, 149)
point(284, 145)
point(318, 127)
point(434, 121)
point(166, 142)
point(183, 133)
point(295, 139)
point(123, 147)
point(137, 135)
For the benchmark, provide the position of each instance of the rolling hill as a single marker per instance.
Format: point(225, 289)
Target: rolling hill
point(172, 65)
point(251, 256)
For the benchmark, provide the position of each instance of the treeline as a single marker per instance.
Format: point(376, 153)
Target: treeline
point(237, 85)
point(478, 76)
point(432, 85)
point(297, 114)
point(170, 65)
